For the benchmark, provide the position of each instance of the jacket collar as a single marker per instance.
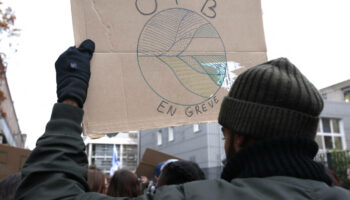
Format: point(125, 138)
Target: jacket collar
point(280, 156)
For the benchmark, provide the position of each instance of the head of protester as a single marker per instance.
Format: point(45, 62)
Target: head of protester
point(179, 172)
point(159, 167)
point(157, 170)
point(97, 180)
point(124, 183)
point(8, 186)
point(269, 121)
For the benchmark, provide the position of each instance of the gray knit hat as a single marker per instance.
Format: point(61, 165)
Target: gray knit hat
point(272, 99)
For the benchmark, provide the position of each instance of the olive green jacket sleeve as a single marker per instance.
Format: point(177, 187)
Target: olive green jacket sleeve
point(57, 167)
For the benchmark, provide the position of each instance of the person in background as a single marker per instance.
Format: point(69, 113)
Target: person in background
point(269, 121)
point(8, 186)
point(159, 167)
point(124, 183)
point(97, 180)
point(150, 188)
point(157, 170)
point(179, 172)
point(144, 182)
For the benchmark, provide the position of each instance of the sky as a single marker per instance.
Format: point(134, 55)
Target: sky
point(313, 34)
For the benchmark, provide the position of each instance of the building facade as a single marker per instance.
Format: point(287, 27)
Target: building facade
point(10, 132)
point(334, 126)
point(337, 92)
point(201, 143)
point(100, 151)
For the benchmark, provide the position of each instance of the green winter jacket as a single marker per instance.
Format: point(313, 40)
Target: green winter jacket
point(57, 169)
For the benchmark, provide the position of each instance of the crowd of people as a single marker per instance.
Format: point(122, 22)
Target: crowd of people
point(269, 121)
point(125, 183)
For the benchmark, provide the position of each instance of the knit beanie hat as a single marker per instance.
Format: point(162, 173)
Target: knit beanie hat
point(272, 99)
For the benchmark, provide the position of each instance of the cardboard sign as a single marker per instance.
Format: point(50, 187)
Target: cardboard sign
point(162, 63)
point(149, 161)
point(11, 159)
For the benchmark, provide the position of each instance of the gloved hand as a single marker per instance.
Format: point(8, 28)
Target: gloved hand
point(73, 72)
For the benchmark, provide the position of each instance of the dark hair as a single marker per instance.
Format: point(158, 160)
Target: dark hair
point(124, 183)
point(9, 185)
point(96, 180)
point(179, 172)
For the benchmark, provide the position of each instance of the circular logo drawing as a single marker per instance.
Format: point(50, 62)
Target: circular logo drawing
point(181, 57)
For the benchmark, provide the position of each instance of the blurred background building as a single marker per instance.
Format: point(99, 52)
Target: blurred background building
point(337, 92)
point(100, 151)
point(200, 143)
point(334, 127)
point(10, 132)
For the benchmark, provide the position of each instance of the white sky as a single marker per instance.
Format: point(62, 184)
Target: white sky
point(313, 34)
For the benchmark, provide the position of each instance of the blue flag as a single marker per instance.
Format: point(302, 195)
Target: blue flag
point(115, 161)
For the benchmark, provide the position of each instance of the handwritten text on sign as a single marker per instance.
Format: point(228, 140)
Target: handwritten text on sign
point(208, 8)
point(189, 111)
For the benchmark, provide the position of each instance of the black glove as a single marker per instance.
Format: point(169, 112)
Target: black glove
point(73, 72)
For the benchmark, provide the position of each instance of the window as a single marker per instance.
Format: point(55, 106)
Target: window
point(335, 123)
point(338, 143)
point(159, 137)
point(192, 158)
point(328, 142)
point(195, 128)
point(102, 156)
point(346, 92)
point(330, 134)
point(103, 150)
point(171, 134)
point(326, 125)
point(130, 157)
point(324, 96)
point(347, 97)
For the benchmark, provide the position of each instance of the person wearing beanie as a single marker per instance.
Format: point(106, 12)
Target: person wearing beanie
point(269, 120)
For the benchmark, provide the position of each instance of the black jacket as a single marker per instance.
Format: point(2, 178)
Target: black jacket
point(57, 169)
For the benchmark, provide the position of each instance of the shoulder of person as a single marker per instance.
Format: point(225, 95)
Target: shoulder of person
point(253, 188)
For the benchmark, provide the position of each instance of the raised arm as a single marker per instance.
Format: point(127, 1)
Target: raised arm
point(57, 167)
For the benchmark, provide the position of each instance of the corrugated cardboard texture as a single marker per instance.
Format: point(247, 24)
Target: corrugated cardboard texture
point(11, 159)
point(162, 63)
point(149, 161)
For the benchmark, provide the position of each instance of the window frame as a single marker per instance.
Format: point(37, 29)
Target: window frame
point(347, 97)
point(159, 138)
point(346, 93)
point(196, 128)
point(332, 134)
point(171, 134)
